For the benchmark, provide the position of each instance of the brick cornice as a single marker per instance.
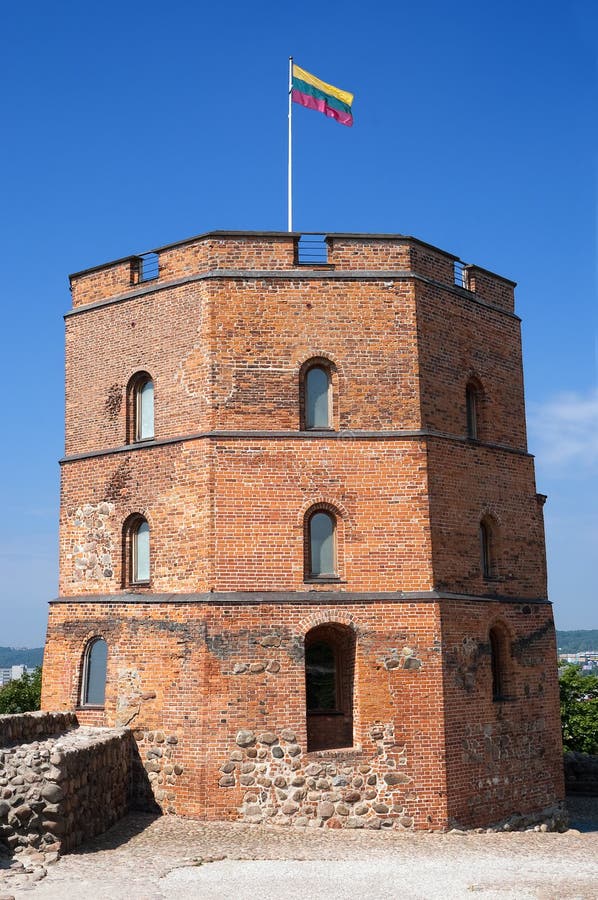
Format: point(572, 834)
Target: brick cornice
point(306, 597)
point(259, 435)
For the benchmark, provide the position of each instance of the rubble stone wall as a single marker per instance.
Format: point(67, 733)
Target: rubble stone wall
point(58, 791)
point(31, 726)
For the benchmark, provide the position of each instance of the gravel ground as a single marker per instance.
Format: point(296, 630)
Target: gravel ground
point(143, 858)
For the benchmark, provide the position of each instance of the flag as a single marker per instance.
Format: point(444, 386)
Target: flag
point(313, 93)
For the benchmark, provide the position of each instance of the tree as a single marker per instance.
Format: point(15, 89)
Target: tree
point(23, 694)
point(579, 710)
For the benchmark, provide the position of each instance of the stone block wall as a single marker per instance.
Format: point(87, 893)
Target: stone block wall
point(59, 790)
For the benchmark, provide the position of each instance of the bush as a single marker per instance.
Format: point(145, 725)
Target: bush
point(23, 694)
point(579, 710)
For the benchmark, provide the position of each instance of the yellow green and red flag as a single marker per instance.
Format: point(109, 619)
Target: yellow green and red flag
point(312, 92)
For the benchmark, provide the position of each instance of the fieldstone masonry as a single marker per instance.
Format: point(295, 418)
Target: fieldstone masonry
point(157, 767)
point(92, 550)
point(284, 786)
point(60, 787)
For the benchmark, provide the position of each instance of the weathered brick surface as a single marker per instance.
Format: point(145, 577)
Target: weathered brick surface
point(210, 671)
point(225, 487)
point(479, 343)
point(501, 756)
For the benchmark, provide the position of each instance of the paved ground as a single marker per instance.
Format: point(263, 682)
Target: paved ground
point(153, 859)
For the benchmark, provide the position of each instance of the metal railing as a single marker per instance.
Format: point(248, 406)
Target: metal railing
point(312, 250)
point(460, 274)
point(147, 267)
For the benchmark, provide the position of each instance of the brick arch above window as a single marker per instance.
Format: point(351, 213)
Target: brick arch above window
point(320, 354)
point(325, 502)
point(328, 616)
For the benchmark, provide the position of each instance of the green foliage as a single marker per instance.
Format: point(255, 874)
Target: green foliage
point(577, 641)
point(22, 694)
point(579, 710)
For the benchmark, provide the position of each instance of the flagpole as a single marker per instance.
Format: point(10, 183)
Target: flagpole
point(290, 172)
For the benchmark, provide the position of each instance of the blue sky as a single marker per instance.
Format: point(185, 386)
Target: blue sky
point(129, 125)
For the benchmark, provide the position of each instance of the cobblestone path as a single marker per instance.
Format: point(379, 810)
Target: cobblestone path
point(151, 859)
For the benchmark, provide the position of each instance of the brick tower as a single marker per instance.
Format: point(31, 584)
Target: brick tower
point(301, 548)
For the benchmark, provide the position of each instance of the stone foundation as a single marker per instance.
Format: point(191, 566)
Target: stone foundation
point(335, 788)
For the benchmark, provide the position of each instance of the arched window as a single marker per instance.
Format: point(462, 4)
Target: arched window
point(487, 549)
point(140, 395)
point(499, 662)
point(329, 677)
point(93, 681)
point(136, 551)
point(321, 544)
point(473, 404)
point(317, 397)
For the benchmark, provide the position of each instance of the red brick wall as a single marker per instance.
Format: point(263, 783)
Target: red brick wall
point(502, 757)
point(468, 483)
point(201, 673)
point(251, 535)
point(166, 334)
point(169, 486)
point(227, 354)
point(458, 339)
point(188, 677)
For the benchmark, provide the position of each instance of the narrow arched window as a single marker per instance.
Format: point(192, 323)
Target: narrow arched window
point(318, 398)
point(486, 549)
point(93, 682)
point(140, 553)
point(140, 414)
point(145, 411)
point(329, 677)
point(136, 551)
point(321, 538)
point(471, 401)
point(499, 662)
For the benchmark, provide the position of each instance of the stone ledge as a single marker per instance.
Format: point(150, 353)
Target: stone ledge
point(23, 727)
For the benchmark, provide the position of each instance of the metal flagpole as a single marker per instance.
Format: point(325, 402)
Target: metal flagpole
point(290, 173)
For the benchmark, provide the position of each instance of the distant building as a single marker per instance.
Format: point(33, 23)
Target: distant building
point(301, 548)
point(586, 659)
point(10, 673)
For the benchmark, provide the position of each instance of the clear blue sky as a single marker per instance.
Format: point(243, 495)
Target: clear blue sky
point(129, 125)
